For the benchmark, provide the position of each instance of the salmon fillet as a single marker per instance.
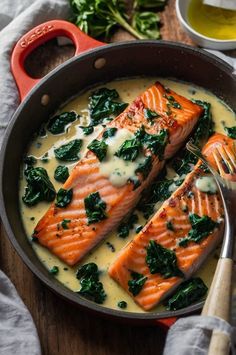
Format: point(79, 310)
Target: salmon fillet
point(175, 114)
point(186, 201)
point(221, 154)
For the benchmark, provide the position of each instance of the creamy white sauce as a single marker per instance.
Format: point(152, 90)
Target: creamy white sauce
point(102, 255)
point(206, 184)
point(118, 170)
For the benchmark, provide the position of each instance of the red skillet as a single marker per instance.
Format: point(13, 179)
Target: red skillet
point(118, 60)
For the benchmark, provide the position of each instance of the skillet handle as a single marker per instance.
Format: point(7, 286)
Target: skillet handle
point(39, 35)
point(166, 323)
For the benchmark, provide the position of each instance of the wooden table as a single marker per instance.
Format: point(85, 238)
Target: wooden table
point(64, 329)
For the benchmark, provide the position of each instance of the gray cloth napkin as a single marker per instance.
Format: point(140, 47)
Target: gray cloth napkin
point(191, 335)
point(18, 334)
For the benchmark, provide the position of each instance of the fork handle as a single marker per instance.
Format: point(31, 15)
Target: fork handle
point(218, 304)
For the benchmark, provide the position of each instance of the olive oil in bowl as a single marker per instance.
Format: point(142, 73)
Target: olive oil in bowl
point(212, 22)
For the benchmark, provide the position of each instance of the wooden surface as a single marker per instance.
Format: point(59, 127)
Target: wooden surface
point(64, 329)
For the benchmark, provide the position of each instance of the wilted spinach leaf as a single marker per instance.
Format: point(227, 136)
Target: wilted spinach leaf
point(156, 142)
point(129, 150)
point(162, 260)
point(145, 167)
point(149, 114)
point(99, 148)
point(204, 129)
point(101, 105)
point(57, 124)
point(231, 132)
point(30, 160)
point(136, 283)
point(124, 227)
point(61, 173)
point(69, 151)
point(159, 191)
point(201, 228)
point(95, 208)
point(91, 288)
point(64, 223)
point(87, 130)
point(39, 187)
point(109, 132)
point(64, 197)
point(54, 270)
point(186, 294)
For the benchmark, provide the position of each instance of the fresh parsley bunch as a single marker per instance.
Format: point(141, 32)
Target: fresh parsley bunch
point(99, 17)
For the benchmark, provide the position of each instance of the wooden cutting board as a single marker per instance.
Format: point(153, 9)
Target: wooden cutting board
point(64, 329)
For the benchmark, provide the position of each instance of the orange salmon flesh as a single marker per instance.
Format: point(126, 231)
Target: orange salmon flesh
point(72, 244)
point(185, 200)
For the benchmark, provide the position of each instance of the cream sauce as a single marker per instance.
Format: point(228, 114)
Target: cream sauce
point(116, 169)
point(102, 255)
point(206, 184)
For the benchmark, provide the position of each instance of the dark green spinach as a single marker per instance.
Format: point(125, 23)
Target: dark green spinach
point(58, 123)
point(231, 132)
point(172, 102)
point(149, 114)
point(91, 288)
point(122, 304)
point(187, 293)
point(95, 208)
point(39, 187)
point(162, 260)
point(109, 132)
point(102, 105)
point(156, 142)
point(54, 270)
point(136, 283)
point(130, 149)
point(64, 223)
point(201, 228)
point(61, 173)
point(204, 129)
point(145, 167)
point(69, 151)
point(99, 148)
point(125, 227)
point(64, 197)
point(87, 130)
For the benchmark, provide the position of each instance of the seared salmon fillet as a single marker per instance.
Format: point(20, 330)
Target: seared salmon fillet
point(221, 153)
point(96, 206)
point(183, 232)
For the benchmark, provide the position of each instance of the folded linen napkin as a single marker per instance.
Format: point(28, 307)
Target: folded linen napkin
point(191, 335)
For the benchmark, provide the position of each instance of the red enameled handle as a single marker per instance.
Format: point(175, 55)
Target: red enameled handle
point(166, 323)
point(39, 35)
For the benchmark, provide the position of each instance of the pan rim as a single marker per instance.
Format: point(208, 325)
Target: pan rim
point(57, 287)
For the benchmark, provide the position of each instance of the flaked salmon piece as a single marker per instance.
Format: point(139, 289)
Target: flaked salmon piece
point(221, 154)
point(176, 115)
point(187, 201)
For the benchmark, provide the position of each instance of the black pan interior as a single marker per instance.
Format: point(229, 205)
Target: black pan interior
point(132, 59)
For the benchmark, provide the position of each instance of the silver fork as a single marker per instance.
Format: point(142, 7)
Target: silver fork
point(219, 296)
